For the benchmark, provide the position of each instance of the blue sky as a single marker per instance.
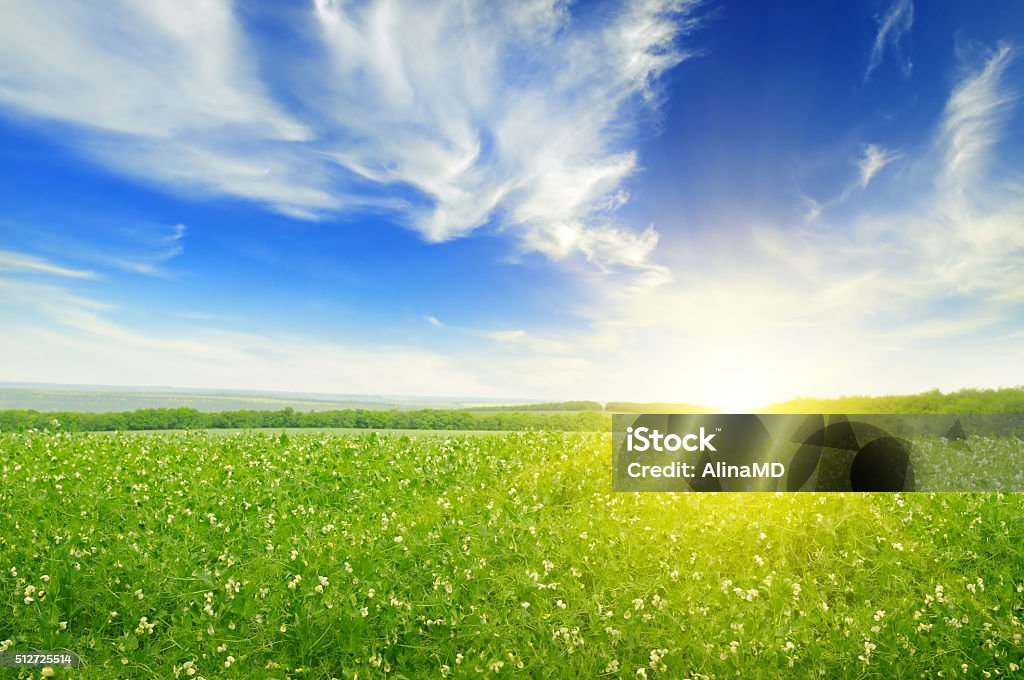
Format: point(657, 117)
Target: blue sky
point(719, 202)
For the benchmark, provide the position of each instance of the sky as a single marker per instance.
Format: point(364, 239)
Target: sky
point(718, 202)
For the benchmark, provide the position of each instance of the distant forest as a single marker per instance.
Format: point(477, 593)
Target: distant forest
point(588, 416)
point(190, 419)
point(549, 406)
point(1005, 400)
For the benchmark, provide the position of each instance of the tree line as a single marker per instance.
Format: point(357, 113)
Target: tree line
point(191, 419)
point(1003, 400)
point(573, 416)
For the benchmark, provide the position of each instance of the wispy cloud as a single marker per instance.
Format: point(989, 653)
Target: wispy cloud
point(433, 321)
point(208, 316)
point(20, 262)
point(160, 247)
point(872, 161)
point(519, 339)
point(974, 116)
point(477, 113)
point(68, 338)
point(895, 23)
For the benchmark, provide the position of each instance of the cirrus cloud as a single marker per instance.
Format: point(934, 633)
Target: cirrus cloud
point(453, 115)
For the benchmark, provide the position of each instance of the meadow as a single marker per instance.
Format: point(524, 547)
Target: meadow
point(324, 555)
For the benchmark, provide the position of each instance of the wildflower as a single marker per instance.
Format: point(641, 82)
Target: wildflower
point(656, 660)
point(228, 661)
point(868, 648)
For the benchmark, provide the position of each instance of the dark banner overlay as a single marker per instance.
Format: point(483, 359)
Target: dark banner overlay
point(920, 452)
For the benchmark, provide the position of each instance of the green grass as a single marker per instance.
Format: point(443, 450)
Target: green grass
point(482, 556)
point(328, 430)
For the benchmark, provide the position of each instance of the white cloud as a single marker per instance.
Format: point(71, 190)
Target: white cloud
point(161, 246)
point(974, 116)
point(62, 337)
point(872, 161)
point(892, 26)
point(514, 114)
point(20, 262)
point(517, 340)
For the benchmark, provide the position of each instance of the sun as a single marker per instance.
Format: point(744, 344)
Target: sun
point(738, 403)
point(735, 396)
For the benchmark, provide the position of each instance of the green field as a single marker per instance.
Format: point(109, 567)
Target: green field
point(322, 555)
point(290, 431)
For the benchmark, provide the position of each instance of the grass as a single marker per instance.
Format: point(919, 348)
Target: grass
point(320, 556)
point(357, 431)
